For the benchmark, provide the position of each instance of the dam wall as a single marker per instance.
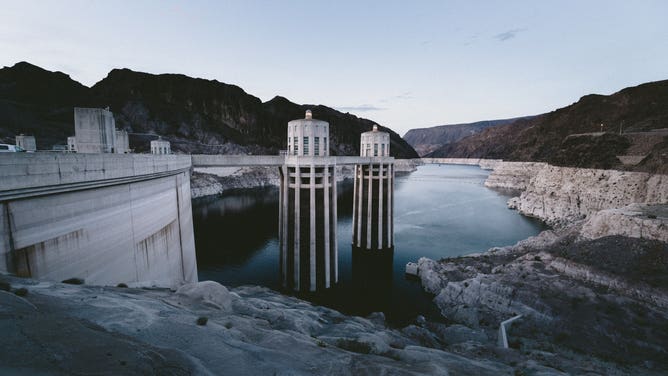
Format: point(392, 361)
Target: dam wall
point(104, 218)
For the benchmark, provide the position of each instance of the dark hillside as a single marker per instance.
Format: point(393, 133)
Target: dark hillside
point(196, 115)
point(426, 140)
point(571, 136)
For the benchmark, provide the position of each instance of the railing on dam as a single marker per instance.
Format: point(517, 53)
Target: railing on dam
point(200, 160)
point(30, 174)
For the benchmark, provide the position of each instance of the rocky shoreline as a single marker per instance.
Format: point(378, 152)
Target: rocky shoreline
point(564, 195)
point(593, 285)
point(593, 299)
point(217, 180)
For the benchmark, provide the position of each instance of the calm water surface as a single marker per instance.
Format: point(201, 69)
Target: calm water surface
point(440, 211)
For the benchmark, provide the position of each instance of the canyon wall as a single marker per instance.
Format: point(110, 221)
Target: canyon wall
point(561, 195)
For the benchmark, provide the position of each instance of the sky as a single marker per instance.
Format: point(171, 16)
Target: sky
point(403, 64)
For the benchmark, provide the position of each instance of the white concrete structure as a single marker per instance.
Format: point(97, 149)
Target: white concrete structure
point(160, 146)
point(94, 130)
point(219, 160)
point(27, 143)
point(373, 201)
point(308, 136)
point(121, 142)
point(502, 338)
point(105, 218)
point(307, 208)
point(375, 143)
point(412, 269)
point(72, 144)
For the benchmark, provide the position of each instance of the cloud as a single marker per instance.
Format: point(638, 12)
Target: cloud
point(510, 34)
point(473, 38)
point(406, 95)
point(360, 108)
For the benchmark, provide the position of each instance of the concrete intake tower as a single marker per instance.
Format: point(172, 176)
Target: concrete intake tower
point(373, 202)
point(307, 208)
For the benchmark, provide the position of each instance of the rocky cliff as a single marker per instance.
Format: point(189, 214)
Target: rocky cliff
point(573, 136)
point(195, 115)
point(562, 195)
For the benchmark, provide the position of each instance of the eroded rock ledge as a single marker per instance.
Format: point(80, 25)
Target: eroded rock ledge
point(563, 195)
point(216, 180)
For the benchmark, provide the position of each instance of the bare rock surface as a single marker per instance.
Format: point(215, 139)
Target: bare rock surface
point(604, 299)
point(562, 195)
point(635, 220)
point(216, 180)
point(66, 329)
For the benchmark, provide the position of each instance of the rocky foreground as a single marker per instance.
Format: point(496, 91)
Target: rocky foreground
point(54, 328)
point(205, 329)
point(594, 286)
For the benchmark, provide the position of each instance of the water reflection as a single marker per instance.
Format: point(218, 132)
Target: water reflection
point(440, 211)
point(372, 279)
point(231, 229)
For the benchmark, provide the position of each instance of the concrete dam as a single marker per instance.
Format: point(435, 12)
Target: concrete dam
point(104, 218)
point(127, 218)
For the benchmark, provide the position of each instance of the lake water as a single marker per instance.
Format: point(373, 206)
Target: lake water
point(440, 211)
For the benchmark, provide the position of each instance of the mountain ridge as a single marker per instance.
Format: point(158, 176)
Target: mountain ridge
point(572, 135)
point(426, 140)
point(197, 115)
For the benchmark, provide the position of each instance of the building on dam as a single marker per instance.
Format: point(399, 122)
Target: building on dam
point(307, 209)
point(373, 202)
point(160, 146)
point(95, 132)
point(27, 143)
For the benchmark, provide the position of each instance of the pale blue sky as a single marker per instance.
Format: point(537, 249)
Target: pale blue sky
point(404, 64)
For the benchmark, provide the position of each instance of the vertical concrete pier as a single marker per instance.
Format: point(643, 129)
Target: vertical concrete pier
point(373, 203)
point(307, 209)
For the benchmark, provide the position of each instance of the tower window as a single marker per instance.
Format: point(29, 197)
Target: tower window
point(367, 153)
point(316, 146)
point(295, 143)
point(324, 146)
point(382, 149)
point(375, 150)
point(306, 150)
